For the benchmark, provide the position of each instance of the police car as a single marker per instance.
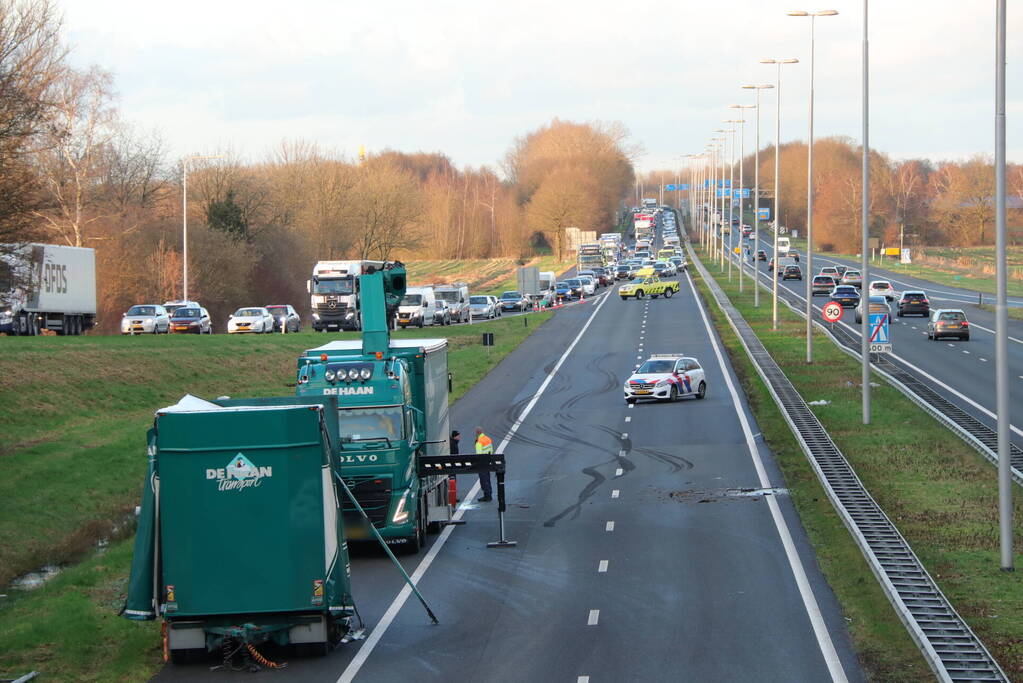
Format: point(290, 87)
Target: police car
point(666, 377)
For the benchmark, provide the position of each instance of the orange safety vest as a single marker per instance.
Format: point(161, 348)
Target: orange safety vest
point(484, 445)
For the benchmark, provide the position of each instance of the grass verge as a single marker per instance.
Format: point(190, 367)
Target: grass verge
point(1014, 312)
point(939, 492)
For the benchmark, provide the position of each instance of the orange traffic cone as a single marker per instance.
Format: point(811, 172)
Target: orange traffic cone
point(452, 491)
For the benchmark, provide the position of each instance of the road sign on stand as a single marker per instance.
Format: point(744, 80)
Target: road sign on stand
point(880, 339)
point(832, 312)
point(764, 214)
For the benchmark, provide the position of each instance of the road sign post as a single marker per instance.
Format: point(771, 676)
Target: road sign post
point(880, 339)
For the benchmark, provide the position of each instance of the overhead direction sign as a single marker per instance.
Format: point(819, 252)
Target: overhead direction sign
point(880, 339)
point(832, 312)
point(670, 187)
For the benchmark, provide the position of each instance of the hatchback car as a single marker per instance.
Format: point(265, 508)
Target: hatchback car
point(575, 288)
point(852, 277)
point(948, 322)
point(589, 284)
point(191, 320)
point(514, 301)
point(822, 284)
point(623, 271)
point(145, 319)
point(602, 276)
point(882, 288)
point(285, 317)
point(256, 320)
point(442, 315)
point(792, 273)
point(761, 255)
point(914, 301)
point(830, 271)
point(679, 262)
point(562, 291)
point(482, 306)
point(877, 304)
point(845, 296)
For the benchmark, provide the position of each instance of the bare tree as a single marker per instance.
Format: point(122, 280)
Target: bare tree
point(384, 211)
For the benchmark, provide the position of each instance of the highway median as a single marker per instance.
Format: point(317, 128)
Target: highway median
point(938, 491)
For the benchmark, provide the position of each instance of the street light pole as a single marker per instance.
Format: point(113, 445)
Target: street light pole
point(777, 182)
point(756, 198)
point(809, 185)
point(1001, 310)
point(742, 157)
point(865, 221)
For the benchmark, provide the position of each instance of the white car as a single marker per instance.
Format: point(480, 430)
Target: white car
point(882, 288)
point(666, 377)
point(256, 320)
point(589, 285)
point(145, 319)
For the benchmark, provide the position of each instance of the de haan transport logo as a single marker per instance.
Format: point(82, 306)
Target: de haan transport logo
point(239, 474)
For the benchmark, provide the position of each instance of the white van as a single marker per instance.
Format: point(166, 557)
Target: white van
point(419, 307)
point(783, 246)
point(457, 298)
point(547, 281)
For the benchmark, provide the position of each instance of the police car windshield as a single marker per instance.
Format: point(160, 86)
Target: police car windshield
point(367, 424)
point(656, 366)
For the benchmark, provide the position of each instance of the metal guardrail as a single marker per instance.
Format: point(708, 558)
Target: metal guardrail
point(978, 435)
point(948, 644)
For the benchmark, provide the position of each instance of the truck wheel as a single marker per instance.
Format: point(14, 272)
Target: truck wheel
point(420, 323)
point(417, 540)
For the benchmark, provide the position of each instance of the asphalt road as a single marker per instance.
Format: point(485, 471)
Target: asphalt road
point(645, 552)
point(963, 371)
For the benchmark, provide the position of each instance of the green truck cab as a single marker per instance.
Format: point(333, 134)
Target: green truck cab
point(392, 403)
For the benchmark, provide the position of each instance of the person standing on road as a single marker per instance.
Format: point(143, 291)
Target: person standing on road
point(484, 446)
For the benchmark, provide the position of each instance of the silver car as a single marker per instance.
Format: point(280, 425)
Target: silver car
point(145, 319)
point(481, 306)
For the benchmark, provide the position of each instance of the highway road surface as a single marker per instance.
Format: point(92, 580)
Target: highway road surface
point(652, 542)
point(963, 371)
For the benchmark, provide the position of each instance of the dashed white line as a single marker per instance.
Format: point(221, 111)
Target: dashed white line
point(602, 567)
point(951, 346)
point(625, 435)
point(628, 418)
point(618, 472)
point(593, 618)
point(983, 360)
point(614, 493)
point(583, 679)
point(965, 351)
point(610, 526)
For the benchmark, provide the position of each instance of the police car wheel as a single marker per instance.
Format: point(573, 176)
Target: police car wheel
point(701, 391)
point(674, 394)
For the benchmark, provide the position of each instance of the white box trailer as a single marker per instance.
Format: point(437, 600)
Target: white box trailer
point(47, 287)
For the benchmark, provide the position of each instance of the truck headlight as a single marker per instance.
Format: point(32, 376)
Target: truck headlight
point(400, 513)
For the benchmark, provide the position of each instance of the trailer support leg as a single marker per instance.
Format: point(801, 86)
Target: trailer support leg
point(503, 543)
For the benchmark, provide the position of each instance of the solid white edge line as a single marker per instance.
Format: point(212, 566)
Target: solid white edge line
point(377, 633)
point(820, 629)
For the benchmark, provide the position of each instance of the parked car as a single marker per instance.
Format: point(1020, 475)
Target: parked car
point(482, 306)
point(914, 301)
point(822, 284)
point(145, 319)
point(882, 288)
point(285, 317)
point(845, 296)
point(623, 271)
point(514, 301)
point(948, 322)
point(257, 320)
point(841, 271)
point(853, 277)
point(877, 304)
point(191, 320)
point(418, 308)
point(679, 262)
point(793, 254)
point(442, 313)
point(792, 272)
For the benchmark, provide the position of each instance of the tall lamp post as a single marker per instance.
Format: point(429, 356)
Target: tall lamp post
point(865, 221)
point(727, 140)
point(742, 156)
point(809, 185)
point(777, 182)
point(184, 219)
point(756, 196)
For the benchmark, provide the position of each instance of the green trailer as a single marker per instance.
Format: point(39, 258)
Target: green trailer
point(241, 539)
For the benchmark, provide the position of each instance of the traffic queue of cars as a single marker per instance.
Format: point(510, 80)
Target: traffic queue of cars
point(189, 317)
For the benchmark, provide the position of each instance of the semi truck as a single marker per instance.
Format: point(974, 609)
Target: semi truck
point(590, 256)
point(393, 408)
point(240, 538)
point(47, 287)
point(334, 294)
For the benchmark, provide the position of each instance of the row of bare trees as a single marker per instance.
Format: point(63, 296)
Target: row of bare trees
point(946, 203)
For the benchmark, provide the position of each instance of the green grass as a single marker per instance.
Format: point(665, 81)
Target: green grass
point(1015, 313)
point(75, 461)
point(940, 493)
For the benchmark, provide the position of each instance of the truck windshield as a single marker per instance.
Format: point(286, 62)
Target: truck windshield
point(451, 297)
point(339, 286)
point(412, 300)
point(367, 424)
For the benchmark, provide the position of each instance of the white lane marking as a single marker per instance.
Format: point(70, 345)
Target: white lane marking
point(639, 357)
point(610, 526)
point(593, 618)
point(965, 351)
point(618, 472)
point(628, 418)
point(986, 329)
point(614, 493)
point(583, 679)
point(377, 633)
point(914, 327)
point(625, 435)
point(983, 360)
point(602, 567)
point(813, 610)
point(630, 405)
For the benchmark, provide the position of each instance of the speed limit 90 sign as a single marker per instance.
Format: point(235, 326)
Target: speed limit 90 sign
point(832, 312)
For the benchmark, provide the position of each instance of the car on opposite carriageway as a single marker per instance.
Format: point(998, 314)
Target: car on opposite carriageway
point(666, 377)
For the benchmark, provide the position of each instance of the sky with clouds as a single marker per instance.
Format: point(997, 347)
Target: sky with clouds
point(465, 78)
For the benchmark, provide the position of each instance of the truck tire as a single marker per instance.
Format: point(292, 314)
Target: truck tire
point(417, 540)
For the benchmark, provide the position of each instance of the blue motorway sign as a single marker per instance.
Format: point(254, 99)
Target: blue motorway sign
point(880, 337)
point(683, 186)
point(764, 214)
point(724, 193)
point(670, 187)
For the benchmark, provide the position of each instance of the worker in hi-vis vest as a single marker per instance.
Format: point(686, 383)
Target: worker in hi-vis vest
point(484, 445)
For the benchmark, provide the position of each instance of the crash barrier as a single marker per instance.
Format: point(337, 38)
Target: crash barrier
point(472, 464)
point(947, 643)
